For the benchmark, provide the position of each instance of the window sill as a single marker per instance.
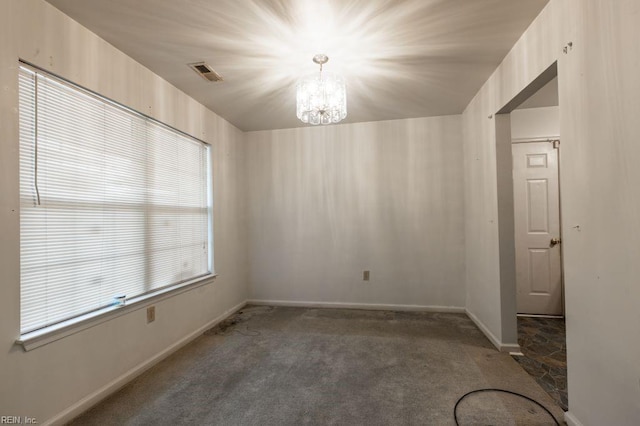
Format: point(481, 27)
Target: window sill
point(38, 338)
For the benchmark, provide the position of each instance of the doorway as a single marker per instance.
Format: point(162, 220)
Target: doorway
point(528, 154)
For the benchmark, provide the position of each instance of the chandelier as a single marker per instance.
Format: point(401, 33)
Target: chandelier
point(321, 98)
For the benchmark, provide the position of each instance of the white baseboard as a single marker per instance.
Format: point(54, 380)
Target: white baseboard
point(370, 306)
point(502, 347)
point(571, 419)
point(116, 384)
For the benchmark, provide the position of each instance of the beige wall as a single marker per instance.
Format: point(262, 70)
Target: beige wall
point(599, 106)
point(538, 48)
point(46, 381)
point(535, 123)
point(328, 203)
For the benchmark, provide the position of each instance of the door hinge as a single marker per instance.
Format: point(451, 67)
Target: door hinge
point(556, 143)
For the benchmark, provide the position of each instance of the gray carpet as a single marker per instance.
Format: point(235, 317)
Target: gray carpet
point(302, 366)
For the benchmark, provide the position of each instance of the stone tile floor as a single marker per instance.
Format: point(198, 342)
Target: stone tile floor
point(543, 344)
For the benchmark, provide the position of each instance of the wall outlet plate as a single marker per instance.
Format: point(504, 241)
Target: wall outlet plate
point(151, 314)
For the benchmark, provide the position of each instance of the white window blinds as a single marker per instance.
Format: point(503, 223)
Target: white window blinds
point(111, 202)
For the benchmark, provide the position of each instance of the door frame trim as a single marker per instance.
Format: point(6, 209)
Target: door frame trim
point(550, 138)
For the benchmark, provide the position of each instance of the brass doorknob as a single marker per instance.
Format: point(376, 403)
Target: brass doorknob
point(555, 241)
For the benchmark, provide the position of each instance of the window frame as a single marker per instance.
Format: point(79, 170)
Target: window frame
point(47, 334)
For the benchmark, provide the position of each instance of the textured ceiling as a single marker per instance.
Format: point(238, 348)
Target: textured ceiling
point(401, 58)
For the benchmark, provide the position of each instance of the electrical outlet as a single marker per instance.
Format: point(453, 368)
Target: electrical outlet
point(151, 314)
point(365, 276)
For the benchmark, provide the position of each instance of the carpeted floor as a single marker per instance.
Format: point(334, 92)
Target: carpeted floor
point(303, 366)
point(543, 344)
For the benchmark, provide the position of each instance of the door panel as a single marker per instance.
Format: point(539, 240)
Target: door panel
point(537, 221)
point(537, 206)
point(540, 271)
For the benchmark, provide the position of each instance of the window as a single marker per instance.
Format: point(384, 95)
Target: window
point(112, 203)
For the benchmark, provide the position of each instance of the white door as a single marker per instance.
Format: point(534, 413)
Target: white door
point(537, 228)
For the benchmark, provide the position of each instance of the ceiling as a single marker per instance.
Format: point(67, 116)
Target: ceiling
point(400, 58)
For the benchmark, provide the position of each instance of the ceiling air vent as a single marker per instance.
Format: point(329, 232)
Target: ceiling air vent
point(205, 71)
